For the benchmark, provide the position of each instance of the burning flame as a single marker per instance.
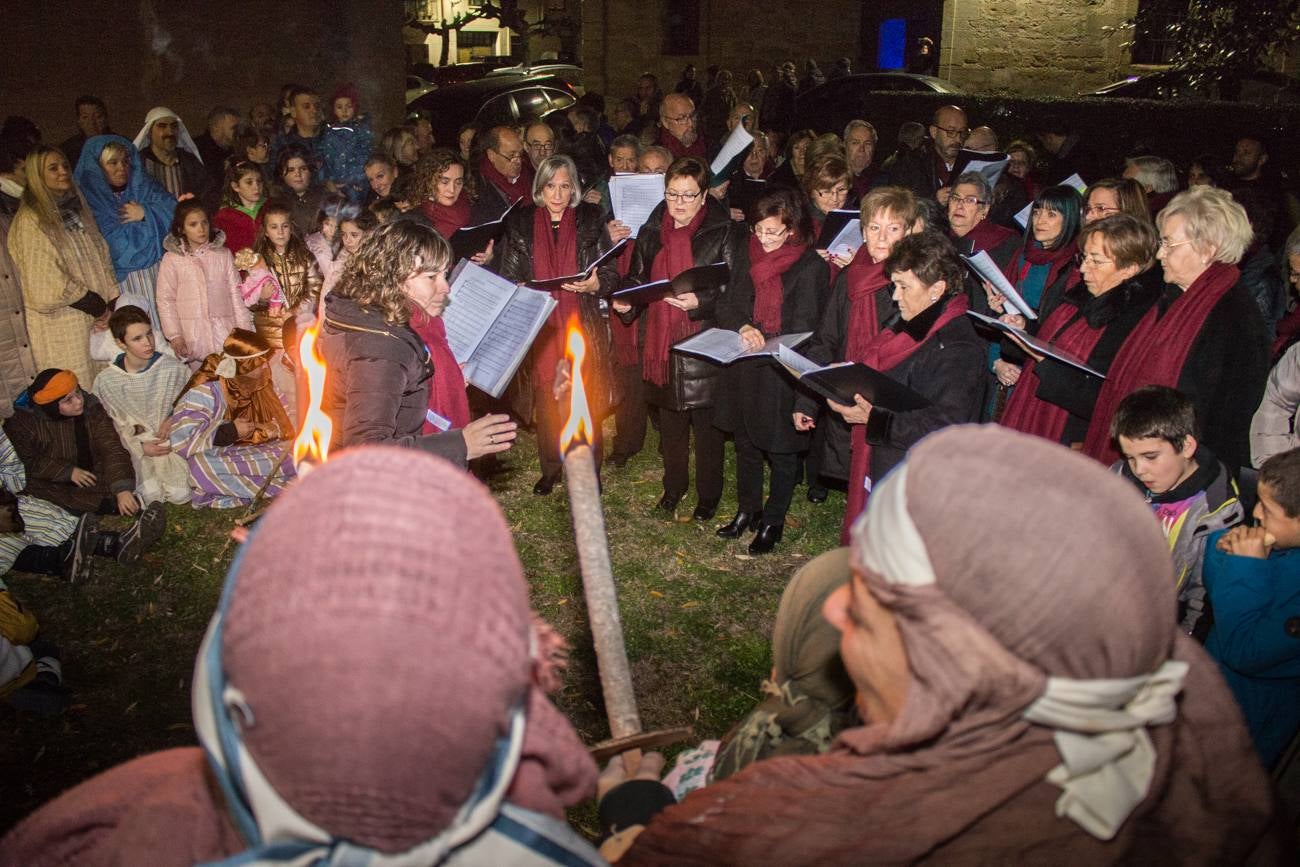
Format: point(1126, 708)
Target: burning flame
point(579, 424)
point(313, 442)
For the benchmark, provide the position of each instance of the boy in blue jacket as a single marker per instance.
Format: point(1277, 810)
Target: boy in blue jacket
point(1252, 576)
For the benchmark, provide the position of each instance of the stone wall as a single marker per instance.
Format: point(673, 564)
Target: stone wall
point(621, 40)
point(1041, 47)
point(192, 55)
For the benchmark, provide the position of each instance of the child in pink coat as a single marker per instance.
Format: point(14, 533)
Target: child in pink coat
point(198, 287)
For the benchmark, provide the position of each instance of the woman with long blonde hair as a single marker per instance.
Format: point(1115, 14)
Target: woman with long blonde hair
point(63, 262)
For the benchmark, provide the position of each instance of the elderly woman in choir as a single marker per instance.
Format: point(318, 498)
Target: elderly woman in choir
point(1204, 335)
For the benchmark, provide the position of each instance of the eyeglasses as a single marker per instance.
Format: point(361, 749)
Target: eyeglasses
point(956, 133)
point(681, 118)
point(1166, 244)
point(968, 200)
point(543, 146)
point(1100, 209)
point(835, 192)
point(517, 155)
point(1082, 259)
point(682, 197)
point(771, 233)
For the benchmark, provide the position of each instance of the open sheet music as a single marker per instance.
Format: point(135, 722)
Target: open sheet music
point(558, 283)
point(724, 347)
point(990, 164)
point(1042, 347)
point(986, 269)
point(1072, 181)
point(701, 278)
point(633, 197)
point(732, 154)
point(471, 240)
point(834, 224)
point(491, 323)
point(840, 381)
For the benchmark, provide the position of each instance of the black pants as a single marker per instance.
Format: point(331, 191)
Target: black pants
point(631, 412)
point(674, 445)
point(749, 479)
point(547, 412)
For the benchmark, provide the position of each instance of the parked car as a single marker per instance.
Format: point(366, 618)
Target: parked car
point(828, 107)
point(455, 73)
point(493, 100)
point(1260, 88)
point(570, 73)
point(417, 86)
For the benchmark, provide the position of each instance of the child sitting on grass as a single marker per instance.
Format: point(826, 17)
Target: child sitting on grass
point(1252, 575)
point(138, 390)
point(1190, 491)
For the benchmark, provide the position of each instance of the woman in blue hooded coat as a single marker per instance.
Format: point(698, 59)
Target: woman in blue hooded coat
point(133, 212)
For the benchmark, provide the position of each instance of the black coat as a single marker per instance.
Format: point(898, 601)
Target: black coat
point(828, 344)
point(490, 204)
point(1225, 372)
point(514, 261)
point(379, 379)
point(948, 369)
point(690, 379)
point(758, 393)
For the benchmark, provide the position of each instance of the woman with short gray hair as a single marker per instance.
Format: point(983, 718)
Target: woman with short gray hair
point(558, 236)
point(1204, 336)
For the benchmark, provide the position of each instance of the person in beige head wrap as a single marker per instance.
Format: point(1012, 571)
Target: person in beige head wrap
point(1028, 699)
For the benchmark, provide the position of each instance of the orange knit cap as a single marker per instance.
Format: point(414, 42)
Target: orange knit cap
point(56, 387)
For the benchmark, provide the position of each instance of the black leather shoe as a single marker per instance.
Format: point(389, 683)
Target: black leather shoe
point(739, 524)
point(545, 485)
point(817, 494)
point(668, 504)
point(766, 538)
point(705, 510)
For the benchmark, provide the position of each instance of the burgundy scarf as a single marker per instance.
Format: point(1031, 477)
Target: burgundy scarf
point(987, 235)
point(865, 279)
point(665, 324)
point(1025, 412)
point(766, 270)
point(623, 337)
point(447, 396)
point(1156, 351)
point(678, 150)
point(522, 188)
point(447, 218)
point(1032, 253)
point(887, 350)
point(555, 254)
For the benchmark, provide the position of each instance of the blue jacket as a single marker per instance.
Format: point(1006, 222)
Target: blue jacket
point(1256, 639)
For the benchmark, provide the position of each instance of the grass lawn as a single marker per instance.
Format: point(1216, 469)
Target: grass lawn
point(697, 611)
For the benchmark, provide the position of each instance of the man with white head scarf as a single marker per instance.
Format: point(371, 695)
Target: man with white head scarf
point(1026, 701)
point(171, 156)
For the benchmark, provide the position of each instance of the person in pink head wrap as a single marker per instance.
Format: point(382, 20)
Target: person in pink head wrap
point(1028, 700)
point(368, 692)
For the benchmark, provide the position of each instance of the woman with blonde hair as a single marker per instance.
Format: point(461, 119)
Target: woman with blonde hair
point(381, 371)
point(63, 262)
point(231, 425)
point(1204, 336)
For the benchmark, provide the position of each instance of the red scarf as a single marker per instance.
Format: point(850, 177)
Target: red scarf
point(987, 235)
point(865, 279)
point(678, 150)
point(1025, 412)
point(766, 270)
point(1033, 253)
point(522, 188)
point(447, 218)
point(1156, 351)
point(887, 350)
point(447, 396)
point(665, 324)
point(623, 337)
point(555, 254)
